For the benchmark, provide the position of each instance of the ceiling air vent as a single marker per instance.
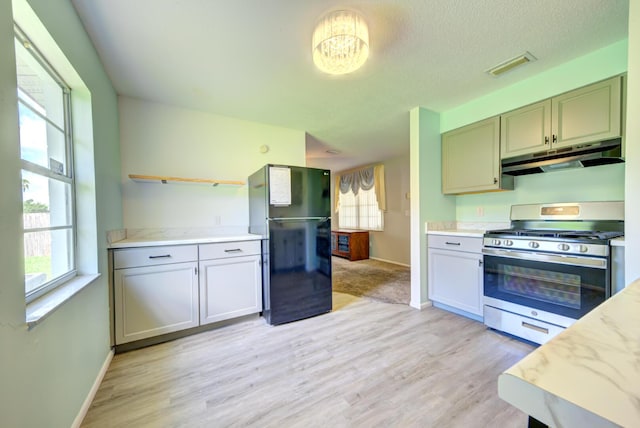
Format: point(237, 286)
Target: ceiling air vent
point(510, 64)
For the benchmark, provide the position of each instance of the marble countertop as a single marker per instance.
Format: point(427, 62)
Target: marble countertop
point(461, 228)
point(151, 241)
point(458, 232)
point(588, 375)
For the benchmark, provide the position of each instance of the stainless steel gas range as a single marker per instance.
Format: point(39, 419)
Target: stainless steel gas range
point(550, 267)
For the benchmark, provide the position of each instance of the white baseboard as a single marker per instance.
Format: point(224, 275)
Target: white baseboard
point(426, 304)
point(92, 392)
point(421, 306)
point(390, 261)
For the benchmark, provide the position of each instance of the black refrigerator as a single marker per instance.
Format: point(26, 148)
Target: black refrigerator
point(290, 207)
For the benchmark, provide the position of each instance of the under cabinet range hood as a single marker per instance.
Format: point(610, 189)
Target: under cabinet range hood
point(579, 156)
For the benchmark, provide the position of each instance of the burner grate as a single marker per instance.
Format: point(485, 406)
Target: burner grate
point(551, 233)
point(589, 234)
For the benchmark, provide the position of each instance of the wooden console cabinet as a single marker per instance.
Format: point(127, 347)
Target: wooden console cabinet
point(350, 244)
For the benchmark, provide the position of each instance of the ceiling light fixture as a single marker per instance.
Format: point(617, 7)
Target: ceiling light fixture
point(340, 42)
point(510, 64)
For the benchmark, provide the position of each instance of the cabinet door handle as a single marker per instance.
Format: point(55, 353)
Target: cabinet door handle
point(554, 139)
point(535, 328)
point(164, 256)
point(233, 250)
point(495, 180)
point(452, 243)
point(479, 263)
point(546, 139)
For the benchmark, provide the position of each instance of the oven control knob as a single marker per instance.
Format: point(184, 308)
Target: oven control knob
point(508, 242)
point(563, 247)
point(583, 248)
point(533, 244)
point(496, 242)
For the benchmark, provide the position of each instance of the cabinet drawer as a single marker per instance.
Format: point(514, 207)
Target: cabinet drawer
point(151, 256)
point(528, 328)
point(456, 243)
point(229, 249)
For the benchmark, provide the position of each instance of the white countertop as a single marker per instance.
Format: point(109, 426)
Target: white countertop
point(458, 232)
point(462, 228)
point(182, 240)
point(617, 242)
point(588, 375)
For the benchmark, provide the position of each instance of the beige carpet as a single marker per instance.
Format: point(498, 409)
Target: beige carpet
point(377, 280)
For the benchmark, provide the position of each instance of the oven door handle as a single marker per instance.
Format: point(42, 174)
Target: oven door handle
point(548, 258)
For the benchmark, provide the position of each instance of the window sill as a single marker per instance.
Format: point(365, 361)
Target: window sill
point(44, 306)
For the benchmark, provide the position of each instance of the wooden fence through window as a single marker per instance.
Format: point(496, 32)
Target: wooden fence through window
point(37, 243)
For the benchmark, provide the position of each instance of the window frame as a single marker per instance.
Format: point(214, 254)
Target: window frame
point(68, 177)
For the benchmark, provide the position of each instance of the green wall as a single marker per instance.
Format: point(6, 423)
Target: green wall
point(603, 183)
point(589, 184)
point(47, 372)
point(427, 201)
point(597, 65)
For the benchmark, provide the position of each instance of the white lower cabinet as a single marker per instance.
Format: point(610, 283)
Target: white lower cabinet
point(165, 289)
point(617, 268)
point(230, 287)
point(230, 280)
point(154, 300)
point(455, 273)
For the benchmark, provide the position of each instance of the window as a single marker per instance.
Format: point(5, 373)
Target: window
point(360, 211)
point(47, 174)
point(360, 199)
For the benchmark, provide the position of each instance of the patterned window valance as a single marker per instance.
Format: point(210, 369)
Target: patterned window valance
point(365, 179)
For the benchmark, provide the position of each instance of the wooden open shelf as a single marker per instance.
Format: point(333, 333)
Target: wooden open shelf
point(165, 179)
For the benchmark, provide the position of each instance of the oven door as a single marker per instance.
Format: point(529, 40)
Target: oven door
point(565, 285)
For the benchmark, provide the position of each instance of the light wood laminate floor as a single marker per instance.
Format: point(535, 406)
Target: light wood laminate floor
point(366, 364)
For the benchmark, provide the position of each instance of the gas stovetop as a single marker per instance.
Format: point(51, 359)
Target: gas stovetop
point(576, 228)
point(578, 242)
point(586, 235)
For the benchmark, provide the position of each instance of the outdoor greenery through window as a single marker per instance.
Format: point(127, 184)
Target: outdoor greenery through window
point(47, 175)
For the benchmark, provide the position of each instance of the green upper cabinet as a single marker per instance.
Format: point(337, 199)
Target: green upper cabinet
point(526, 130)
point(586, 115)
point(471, 159)
point(592, 113)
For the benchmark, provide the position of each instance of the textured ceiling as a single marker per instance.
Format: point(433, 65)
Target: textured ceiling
point(251, 59)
